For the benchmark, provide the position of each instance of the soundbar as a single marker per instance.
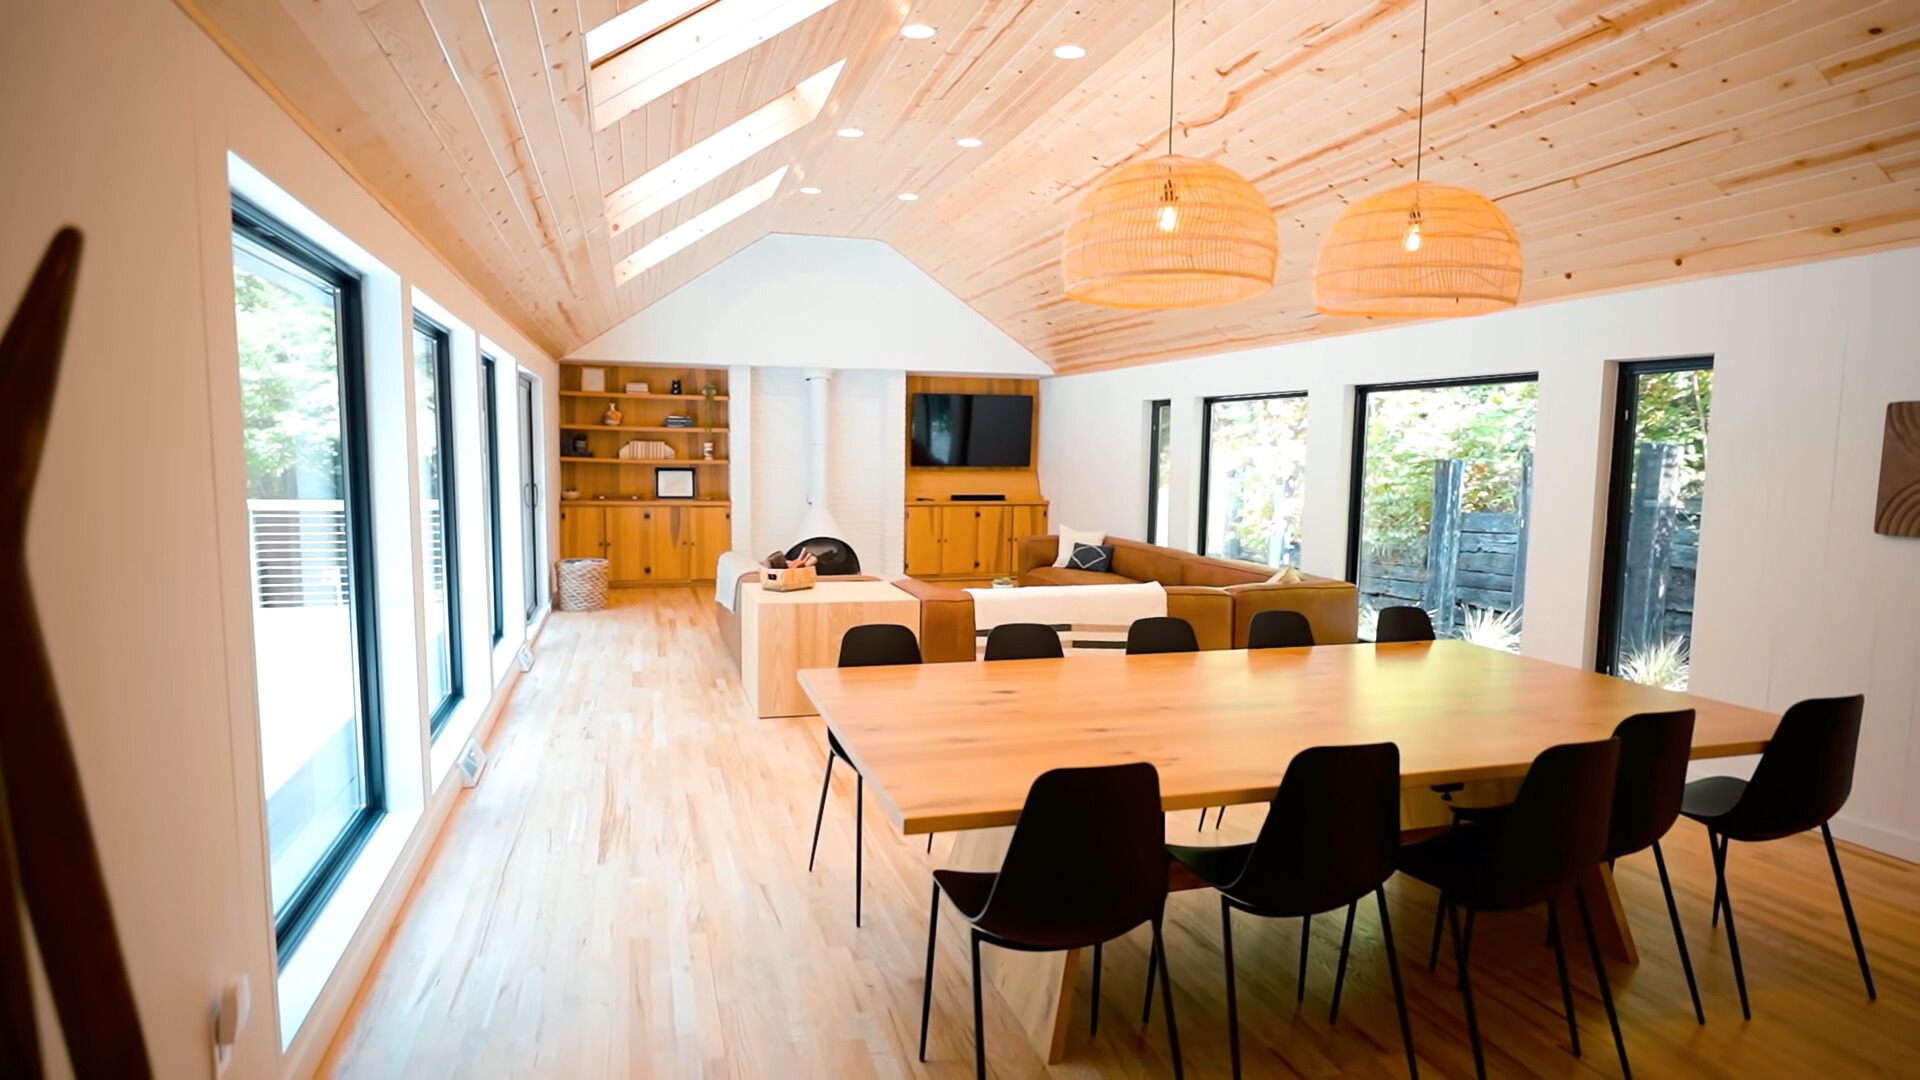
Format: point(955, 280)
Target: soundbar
point(978, 498)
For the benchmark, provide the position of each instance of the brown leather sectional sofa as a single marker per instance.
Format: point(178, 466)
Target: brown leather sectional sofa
point(1218, 596)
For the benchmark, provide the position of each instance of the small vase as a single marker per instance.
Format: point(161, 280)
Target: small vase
point(611, 417)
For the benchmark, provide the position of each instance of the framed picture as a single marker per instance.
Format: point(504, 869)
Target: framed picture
point(593, 379)
point(673, 483)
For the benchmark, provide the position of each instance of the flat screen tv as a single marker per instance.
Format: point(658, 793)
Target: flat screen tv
point(972, 430)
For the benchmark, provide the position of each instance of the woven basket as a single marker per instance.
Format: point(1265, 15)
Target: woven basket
point(583, 584)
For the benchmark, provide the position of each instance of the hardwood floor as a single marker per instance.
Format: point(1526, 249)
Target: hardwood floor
point(626, 894)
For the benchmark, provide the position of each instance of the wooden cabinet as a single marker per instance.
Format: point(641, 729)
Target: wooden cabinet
point(583, 532)
point(648, 544)
point(972, 540)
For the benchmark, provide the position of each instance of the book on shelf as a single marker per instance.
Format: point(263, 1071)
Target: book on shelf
point(678, 420)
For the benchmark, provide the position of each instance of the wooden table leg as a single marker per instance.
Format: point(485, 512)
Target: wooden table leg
point(1037, 988)
point(1609, 918)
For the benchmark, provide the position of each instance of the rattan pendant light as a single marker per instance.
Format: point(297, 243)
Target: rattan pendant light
point(1170, 233)
point(1420, 250)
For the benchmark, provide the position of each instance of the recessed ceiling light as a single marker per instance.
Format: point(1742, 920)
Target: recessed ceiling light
point(809, 191)
point(917, 31)
point(908, 196)
point(1069, 52)
point(849, 133)
point(968, 142)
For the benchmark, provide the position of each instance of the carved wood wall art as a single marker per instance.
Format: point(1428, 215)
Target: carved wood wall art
point(58, 866)
point(1897, 510)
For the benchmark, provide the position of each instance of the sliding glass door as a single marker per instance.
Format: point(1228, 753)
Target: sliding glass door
point(309, 524)
point(1442, 481)
point(1658, 479)
point(529, 498)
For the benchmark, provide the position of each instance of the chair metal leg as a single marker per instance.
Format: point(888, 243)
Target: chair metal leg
point(1466, 936)
point(1560, 961)
point(1724, 900)
point(1679, 936)
point(926, 995)
point(929, 843)
point(1219, 816)
point(859, 839)
point(1606, 989)
point(1846, 905)
point(1203, 819)
point(1153, 971)
point(1439, 924)
point(1306, 939)
point(1094, 1028)
point(1340, 972)
point(979, 1025)
point(820, 817)
point(1460, 944)
point(1166, 1000)
point(1719, 848)
point(1399, 992)
point(1233, 999)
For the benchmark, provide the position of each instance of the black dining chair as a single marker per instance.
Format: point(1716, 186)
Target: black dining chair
point(1024, 641)
point(1279, 630)
point(1654, 750)
point(1803, 779)
point(1553, 834)
point(875, 645)
point(1161, 634)
point(1402, 624)
point(1086, 864)
point(1330, 838)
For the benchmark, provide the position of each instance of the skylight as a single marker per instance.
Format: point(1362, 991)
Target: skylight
point(703, 162)
point(683, 235)
point(636, 70)
point(636, 24)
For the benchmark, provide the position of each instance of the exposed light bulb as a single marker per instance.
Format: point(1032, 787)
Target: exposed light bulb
point(1413, 236)
point(1169, 217)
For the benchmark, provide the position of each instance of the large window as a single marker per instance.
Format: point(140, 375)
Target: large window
point(1253, 478)
point(1653, 520)
point(433, 430)
point(490, 460)
point(1159, 423)
point(1443, 474)
point(302, 395)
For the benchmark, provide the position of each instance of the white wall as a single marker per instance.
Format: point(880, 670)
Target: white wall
point(815, 301)
point(1796, 596)
point(118, 118)
point(866, 477)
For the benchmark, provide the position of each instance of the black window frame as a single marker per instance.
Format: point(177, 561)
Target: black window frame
point(310, 897)
point(1357, 477)
point(1206, 452)
point(439, 713)
point(490, 450)
point(1626, 416)
point(1159, 417)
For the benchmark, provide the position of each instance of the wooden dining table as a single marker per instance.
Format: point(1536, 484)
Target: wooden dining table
point(954, 747)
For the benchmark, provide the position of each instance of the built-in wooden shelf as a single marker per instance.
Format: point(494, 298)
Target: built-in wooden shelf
point(567, 460)
point(625, 427)
point(640, 397)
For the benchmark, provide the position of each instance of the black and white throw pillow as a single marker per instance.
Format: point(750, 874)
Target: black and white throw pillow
point(1091, 557)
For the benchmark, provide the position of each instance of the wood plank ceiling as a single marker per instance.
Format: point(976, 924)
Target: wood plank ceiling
point(1630, 141)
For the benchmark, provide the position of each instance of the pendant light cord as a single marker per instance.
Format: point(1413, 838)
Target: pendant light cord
point(1420, 124)
point(1173, 41)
